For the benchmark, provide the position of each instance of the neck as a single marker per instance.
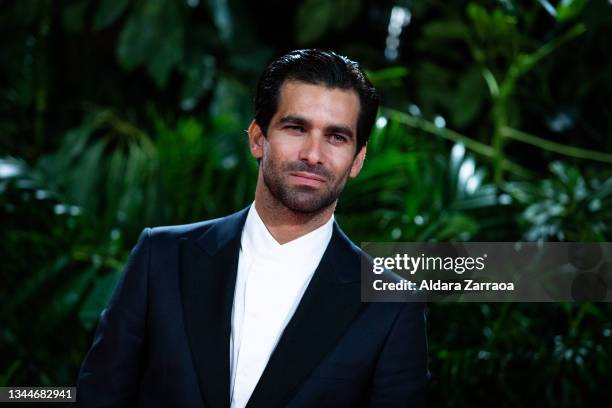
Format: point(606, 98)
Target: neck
point(284, 224)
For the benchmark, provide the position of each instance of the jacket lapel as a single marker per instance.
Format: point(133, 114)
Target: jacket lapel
point(330, 303)
point(208, 276)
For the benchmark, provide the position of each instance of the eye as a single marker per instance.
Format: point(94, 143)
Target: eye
point(296, 128)
point(338, 139)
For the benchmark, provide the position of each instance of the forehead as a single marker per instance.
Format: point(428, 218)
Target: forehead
point(318, 103)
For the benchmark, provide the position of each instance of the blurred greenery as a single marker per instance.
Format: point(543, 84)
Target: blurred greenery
point(495, 126)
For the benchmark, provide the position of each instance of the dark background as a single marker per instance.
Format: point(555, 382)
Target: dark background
point(495, 126)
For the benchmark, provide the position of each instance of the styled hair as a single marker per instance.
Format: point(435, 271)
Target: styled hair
point(317, 67)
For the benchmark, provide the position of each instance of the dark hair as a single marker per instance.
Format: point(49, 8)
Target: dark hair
point(316, 67)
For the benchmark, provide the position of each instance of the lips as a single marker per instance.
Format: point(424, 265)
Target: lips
point(306, 178)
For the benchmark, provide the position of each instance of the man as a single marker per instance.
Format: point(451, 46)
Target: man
point(262, 308)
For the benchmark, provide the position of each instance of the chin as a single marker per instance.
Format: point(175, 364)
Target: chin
point(308, 205)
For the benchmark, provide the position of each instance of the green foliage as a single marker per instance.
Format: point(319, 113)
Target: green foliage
point(116, 115)
point(566, 207)
point(47, 272)
point(518, 354)
point(73, 16)
point(152, 37)
point(569, 9)
point(315, 18)
point(108, 12)
point(107, 168)
point(409, 190)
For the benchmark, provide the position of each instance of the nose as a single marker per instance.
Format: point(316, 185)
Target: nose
point(311, 150)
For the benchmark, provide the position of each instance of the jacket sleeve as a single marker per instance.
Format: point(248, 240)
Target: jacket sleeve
point(110, 372)
point(401, 372)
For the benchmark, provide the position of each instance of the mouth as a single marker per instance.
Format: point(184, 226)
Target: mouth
point(306, 178)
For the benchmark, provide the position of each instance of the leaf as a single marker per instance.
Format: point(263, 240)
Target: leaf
point(495, 29)
point(312, 20)
point(436, 92)
point(445, 30)
point(479, 17)
point(569, 9)
point(198, 79)
point(230, 99)
point(455, 226)
point(465, 102)
point(222, 17)
point(82, 184)
point(252, 60)
point(138, 39)
point(387, 76)
point(169, 53)
point(5, 377)
point(153, 35)
point(97, 298)
point(108, 12)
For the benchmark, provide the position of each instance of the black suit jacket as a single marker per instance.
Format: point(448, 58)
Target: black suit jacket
point(163, 339)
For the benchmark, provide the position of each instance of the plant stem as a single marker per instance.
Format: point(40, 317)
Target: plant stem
point(566, 150)
point(471, 144)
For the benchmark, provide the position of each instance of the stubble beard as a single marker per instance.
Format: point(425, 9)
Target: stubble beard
point(301, 199)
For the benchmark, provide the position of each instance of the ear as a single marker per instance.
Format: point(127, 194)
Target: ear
point(358, 161)
point(256, 140)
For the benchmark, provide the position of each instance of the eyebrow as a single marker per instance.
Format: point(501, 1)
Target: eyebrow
point(299, 120)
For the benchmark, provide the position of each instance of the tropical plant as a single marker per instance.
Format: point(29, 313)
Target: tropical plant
point(116, 115)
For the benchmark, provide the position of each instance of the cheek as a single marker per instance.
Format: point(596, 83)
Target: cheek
point(277, 147)
point(270, 154)
point(344, 162)
point(273, 158)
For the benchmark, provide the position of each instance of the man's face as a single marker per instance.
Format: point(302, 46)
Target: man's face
point(309, 151)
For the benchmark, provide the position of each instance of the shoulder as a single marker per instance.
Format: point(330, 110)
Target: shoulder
point(227, 225)
point(189, 231)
